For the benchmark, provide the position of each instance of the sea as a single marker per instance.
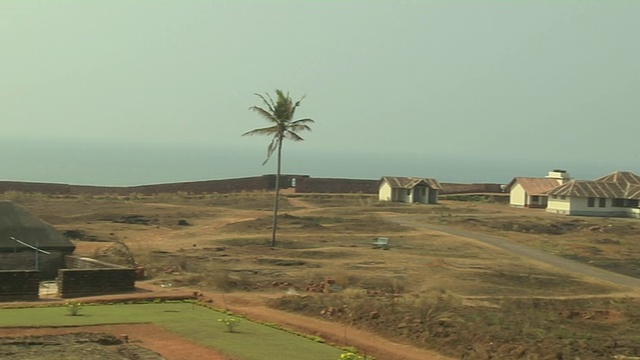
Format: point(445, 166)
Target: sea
point(130, 164)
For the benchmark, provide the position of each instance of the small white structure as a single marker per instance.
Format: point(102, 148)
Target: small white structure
point(616, 194)
point(381, 243)
point(532, 192)
point(409, 190)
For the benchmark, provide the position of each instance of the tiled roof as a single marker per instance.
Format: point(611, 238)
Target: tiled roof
point(626, 177)
point(410, 182)
point(633, 192)
point(535, 186)
point(600, 189)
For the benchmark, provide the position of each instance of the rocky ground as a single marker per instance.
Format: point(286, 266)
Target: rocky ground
point(110, 342)
point(80, 346)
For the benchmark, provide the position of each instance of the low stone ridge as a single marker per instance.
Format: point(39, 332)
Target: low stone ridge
point(301, 184)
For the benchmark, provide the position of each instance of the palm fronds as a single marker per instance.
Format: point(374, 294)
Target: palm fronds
point(279, 113)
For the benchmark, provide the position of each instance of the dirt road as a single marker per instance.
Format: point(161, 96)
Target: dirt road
point(525, 252)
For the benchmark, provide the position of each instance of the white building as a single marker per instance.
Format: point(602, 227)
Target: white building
point(532, 191)
point(616, 194)
point(409, 190)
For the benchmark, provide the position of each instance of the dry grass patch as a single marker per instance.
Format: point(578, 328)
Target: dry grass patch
point(499, 328)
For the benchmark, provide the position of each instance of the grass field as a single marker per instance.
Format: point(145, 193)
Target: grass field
point(251, 341)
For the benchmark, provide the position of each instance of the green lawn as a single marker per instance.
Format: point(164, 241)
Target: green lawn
point(252, 341)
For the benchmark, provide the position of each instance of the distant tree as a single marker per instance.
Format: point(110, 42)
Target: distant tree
point(279, 113)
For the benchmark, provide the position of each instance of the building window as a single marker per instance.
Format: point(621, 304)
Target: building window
point(563, 197)
point(591, 202)
point(408, 192)
point(535, 199)
point(617, 202)
point(602, 202)
point(555, 196)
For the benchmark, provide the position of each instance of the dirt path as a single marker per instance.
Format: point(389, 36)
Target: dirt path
point(302, 206)
point(526, 252)
point(296, 202)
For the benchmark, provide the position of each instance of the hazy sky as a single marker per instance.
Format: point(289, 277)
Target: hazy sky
point(395, 86)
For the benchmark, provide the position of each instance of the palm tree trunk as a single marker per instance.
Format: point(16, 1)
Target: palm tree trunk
point(276, 202)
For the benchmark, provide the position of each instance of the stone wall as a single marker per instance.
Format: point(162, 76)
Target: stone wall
point(19, 285)
point(31, 187)
point(453, 188)
point(336, 186)
point(256, 183)
point(303, 184)
point(87, 277)
point(26, 260)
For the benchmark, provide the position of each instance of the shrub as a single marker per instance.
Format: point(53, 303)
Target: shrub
point(230, 323)
point(350, 356)
point(73, 307)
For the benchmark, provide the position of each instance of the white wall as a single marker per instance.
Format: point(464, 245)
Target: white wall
point(559, 205)
point(580, 206)
point(420, 194)
point(384, 192)
point(517, 196)
point(401, 195)
point(432, 196)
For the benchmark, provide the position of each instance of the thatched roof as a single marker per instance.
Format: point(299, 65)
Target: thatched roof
point(17, 222)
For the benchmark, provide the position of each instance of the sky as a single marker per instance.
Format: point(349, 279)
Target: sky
point(150, 91)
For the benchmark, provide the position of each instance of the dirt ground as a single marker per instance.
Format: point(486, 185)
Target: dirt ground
point(174, 347)
point(498, 305)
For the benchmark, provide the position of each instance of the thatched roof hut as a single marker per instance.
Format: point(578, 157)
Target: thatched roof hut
point(16, 222)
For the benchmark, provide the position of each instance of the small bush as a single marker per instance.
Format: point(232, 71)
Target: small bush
point(230, 323)
point(73, 308)
point(350, 356)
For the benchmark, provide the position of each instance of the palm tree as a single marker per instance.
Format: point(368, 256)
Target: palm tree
point(279, 113)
